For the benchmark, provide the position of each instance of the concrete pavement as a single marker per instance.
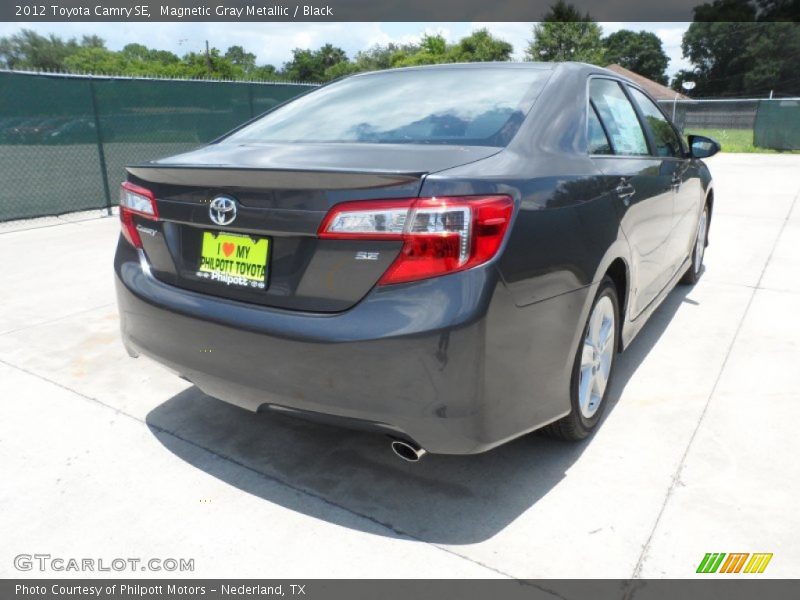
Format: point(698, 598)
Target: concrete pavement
point(106, 456)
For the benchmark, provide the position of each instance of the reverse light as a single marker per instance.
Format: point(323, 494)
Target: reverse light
point(135, 200)
point(439, 235)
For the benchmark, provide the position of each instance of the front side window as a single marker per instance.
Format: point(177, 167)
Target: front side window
point(465, 106)
point(667, 141)
point(619, 117)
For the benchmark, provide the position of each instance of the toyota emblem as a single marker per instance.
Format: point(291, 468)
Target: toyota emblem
point(222, 210)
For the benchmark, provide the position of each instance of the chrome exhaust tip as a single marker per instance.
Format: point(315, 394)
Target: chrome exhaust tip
point(408, 451)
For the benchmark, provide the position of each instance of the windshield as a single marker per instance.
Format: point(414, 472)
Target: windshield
point(428, 106)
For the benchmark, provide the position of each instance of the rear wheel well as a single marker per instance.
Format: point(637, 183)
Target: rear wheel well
point(618, 273)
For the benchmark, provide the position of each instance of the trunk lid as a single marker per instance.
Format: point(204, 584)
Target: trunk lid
point(282, 192)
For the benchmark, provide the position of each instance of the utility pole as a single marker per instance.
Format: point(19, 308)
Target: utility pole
point(208, 60)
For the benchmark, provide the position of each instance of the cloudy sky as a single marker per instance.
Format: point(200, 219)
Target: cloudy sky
point(273, 42)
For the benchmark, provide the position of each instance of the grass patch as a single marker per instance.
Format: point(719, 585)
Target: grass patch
point(735, 140)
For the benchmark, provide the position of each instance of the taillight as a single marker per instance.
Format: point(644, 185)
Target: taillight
point(439, 235)
point(135, 200)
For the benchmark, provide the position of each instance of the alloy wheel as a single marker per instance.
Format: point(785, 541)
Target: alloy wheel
point(700, 242)
point(597, 357)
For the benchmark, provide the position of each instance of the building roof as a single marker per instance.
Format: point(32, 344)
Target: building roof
point(656, 90)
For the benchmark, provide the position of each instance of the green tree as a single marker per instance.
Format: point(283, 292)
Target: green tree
point(196, 66)
point(330, 62)
point(303, 67)
point(382, 57)
point(435, 45)
point(330, 55)
point(566, 34)
point(640, 52)
point(137, 53)
point(92, 41)
point(737, 48)
point(481, 46)
point(30, 50)
point(237, 56)
point(138, 58)
point(96, 59)
point(311, 65)
point(8, 59)
point(341, 69)
point(267, 73)
point(431, 50)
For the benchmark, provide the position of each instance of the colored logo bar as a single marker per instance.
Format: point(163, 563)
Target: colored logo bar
point(735, 562)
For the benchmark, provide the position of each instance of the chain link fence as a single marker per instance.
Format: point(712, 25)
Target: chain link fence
point(65, 140)
point(748, 125)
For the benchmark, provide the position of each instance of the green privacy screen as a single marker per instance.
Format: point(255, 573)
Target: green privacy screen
point(57, 132)
point(778, 124)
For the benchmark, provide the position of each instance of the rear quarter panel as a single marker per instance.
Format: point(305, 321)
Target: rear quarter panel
point(565, 234)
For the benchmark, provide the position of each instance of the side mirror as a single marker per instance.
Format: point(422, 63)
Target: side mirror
point(701, 146)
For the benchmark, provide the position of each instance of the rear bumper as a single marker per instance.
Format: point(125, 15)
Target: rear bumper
point(445, 363)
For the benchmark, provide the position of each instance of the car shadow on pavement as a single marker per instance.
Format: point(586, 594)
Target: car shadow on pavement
point(441, 499)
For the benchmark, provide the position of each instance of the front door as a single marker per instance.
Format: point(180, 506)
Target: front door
point(642, 185)
point(679, 174)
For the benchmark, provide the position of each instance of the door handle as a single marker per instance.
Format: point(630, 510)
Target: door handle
point(625, 190)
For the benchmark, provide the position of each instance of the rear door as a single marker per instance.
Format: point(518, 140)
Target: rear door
point(676, 166)
point(639, 181)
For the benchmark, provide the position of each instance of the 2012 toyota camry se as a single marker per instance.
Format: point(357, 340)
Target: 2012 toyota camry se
point(451, 255)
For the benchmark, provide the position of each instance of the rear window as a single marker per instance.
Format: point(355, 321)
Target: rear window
point(431, 106)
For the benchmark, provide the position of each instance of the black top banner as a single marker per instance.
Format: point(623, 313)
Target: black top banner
point(337, 10)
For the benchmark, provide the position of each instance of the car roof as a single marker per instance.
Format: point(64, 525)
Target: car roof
point(575, 67)
point(473, 66)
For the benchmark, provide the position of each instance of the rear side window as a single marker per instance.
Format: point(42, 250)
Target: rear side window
point(667, 141)
point(598, 140)
point(619, 117)
point(465, 106)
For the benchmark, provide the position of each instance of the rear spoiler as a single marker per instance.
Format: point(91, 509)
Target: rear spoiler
point(225, 176)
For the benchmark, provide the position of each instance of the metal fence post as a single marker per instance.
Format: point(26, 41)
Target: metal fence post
point(674, 106)
point(101, 155)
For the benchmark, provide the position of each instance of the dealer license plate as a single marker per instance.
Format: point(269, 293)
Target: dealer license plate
point(234, 259)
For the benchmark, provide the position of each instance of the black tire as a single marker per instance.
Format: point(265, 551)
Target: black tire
point(575, 426)
point(693, 273)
